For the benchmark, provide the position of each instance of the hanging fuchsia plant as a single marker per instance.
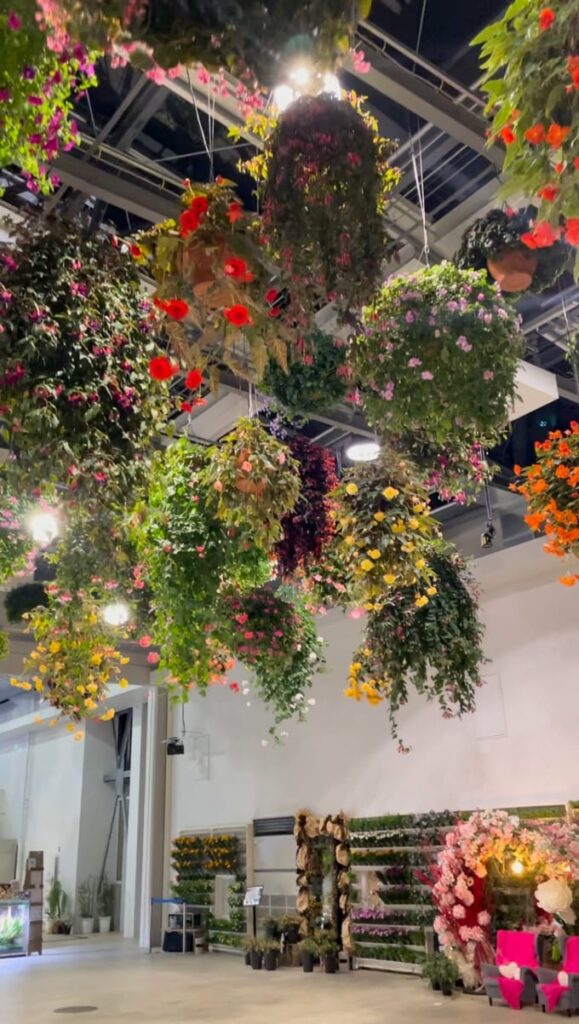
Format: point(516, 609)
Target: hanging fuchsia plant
point(308, 529)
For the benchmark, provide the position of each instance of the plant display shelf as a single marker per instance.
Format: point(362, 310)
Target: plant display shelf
point(366, 963)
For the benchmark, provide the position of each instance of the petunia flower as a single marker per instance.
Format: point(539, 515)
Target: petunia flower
point(193, 379)
point(161, 368)
point(191, 218)
point(238, 315)
point(177, 309)
point(236, 268)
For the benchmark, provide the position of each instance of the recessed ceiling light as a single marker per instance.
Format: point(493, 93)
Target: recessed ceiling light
point(363, 451)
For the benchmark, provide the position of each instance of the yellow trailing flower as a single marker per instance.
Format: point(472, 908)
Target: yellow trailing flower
point(390, 493)
point(420, 563)
point(80, 688)
point(367, 565)
point(398, 527)
point(389, 578)
point(351, 489)
point(350, 540)
point(96, 659)
point(90, 704)
point(413, 524)
point(69, 727)
point(54, 647)
point(421, 600)
point(123, 683)
point(92, 687)
point(431, 591)
point(379, 517)
point(39, 686)
point(78, 736)
point(106, 717)
point(375, 553)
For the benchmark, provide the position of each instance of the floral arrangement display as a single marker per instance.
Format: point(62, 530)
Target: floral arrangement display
point(531, 77)
point(256, 481)
point(328, 583)
point(78, 400)
point(314, 380)
point(308, 528)
point(439, 352)
point(75, 660)
point(263, 626)
point(502, 242)
point(323, 177)
point(490, 842)
point(384, 532)
point(202, 857)
point(211, 281)
point(432, 641)
point(37, 92)
point(551, 487)
point(156, 36)
point(187, 552)
point(456, 471)
point(323, 848)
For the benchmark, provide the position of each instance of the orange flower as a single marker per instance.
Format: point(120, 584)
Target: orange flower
point(539, 486)
point(568, 581)
point(507, 135)
point(549, 193)
point(517, 470)
point(562, 472)
point(556, 135)
point(535, 134)
point(546, 18)
point(534, 520)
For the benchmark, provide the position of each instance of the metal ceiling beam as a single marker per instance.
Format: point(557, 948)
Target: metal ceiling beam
point(102, 184)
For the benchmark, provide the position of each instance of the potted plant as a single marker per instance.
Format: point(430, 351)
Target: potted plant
point(105, 904)
point(431, 970)
point(11, 932)
point(439, 352)
point(309, 951)
point(447, 975)
point(498, 242)
point(257, 955)
point(85, 895)
point(290, 928)
point(308, 529)
point(271, 950)
point(56, 902)
point(323, 178)
point(328, 950)
point(531, 77)
point(248, 946)
point(315, 379)
point(271, 927)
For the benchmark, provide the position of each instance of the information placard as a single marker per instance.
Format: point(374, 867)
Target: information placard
point(253, 896)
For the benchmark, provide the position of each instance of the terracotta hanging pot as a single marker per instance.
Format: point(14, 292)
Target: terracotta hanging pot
point(244, 483)
point(513, 269)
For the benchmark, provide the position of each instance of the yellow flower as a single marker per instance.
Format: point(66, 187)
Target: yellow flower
point(389, 578)
point(35, 655)
point(69, 727)
point(96, 659)
point(124, 661)
point(42, 668)
point(351, 489)
point(431, 591)
point(379, 517)
point(398, 527)
point(78, 736)
point(92, 687)
point(38, 685)
point(413, 523)
point(123, 683)
point(80, 688)
point(93, 620)
point(408, 547)
point(367, 565)
point(54, 647)
point(356, 667)
point(90, 703)
point(53, 722)
point(38, 719)
point(390, 493)
point(420, 563)
point(110, 713)
point(421, 601)
point(350, 540)
point(375, 553)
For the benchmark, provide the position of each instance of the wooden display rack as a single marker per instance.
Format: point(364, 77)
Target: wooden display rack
point(34, 884)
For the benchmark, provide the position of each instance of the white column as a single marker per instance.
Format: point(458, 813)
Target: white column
point(132, 874)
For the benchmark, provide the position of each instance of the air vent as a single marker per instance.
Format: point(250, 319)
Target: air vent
point(273, 826)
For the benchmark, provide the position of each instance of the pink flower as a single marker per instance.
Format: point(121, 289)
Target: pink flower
point(218, 486)
point(203, 75)
point(414, 362)
point(246, 466)
point(145, 641)
point(361, 65)
point(248, 635)
point(458, 911)
point(427, 375)
point(464, 343)
point(488, 375)
point(153, 658)
point(156, 75)
point(356, 613)
point(14, 21)
point(484, 918)
point(242, 618)
point(234, 687)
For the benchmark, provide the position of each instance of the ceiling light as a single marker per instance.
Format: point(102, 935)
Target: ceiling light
point(363, 451)
point(117, 613)
point(332, 85)
point(517, 867)
point(283, 95)
point(43, 527)
point(300, 75)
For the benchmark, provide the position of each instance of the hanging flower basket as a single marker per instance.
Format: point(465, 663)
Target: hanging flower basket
point(252, 39)
point(16, 550)
point(75, 661)
point(439, 353)
point(212, 286)
point(384, 532)
point(499, 243)
point(249, 455)
point(315, 379)
point(323, 177)
point(309, 527)
point(432, 642)
point(80, 406)
point(531, 77)
point(551, 487)
point(38, 88)
point(456, 470)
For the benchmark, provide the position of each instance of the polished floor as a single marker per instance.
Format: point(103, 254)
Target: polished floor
point(121, 985)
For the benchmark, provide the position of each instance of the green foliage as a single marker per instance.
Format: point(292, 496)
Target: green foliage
point(15, 544)
point(315, 380)
point(4, 645)
point(23, 599)
point(398, 954)
point(105, 898)
point(11, 931)
point(528, 79)
point(85, 896)
point(81, 407)
point(434, 819)
point(310, 946)
point(56, 900)
point(189, 893)
point(498, 230)
point(33, 133)
point(438, 969)
point(439, 353)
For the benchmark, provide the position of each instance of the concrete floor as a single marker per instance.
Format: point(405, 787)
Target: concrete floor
point(130, 987)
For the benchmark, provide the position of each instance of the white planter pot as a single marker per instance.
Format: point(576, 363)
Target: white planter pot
point(86, 925)
point(104, 924)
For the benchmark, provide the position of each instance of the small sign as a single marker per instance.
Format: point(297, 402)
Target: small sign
point(253, 896)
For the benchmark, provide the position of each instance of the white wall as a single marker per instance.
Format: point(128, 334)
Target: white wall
point(518, 748)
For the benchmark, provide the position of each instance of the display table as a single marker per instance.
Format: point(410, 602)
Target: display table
point(14, 926)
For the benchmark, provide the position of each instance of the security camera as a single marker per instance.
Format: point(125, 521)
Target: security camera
point(487, 536)
point(175, 746)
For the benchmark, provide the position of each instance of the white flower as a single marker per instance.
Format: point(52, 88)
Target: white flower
point(555, 897)
point(265, 743)
point(312, 701)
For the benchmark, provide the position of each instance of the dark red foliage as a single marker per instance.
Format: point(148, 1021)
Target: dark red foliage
point(308, 529)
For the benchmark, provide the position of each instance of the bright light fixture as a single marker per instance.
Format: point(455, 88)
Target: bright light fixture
point(517, 867)
point(43, 528)
point(283, 95)
point(363, 451)
point(117, 613)
point(332, 85)
point(300, 75)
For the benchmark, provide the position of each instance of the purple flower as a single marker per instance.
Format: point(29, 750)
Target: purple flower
point(35, 139)
point(452, 306)
point(427, 375)
point(4, 95)
point(14, 21)
point(28, 72)
point(414, 362)
point(35, 101)
point(410, 318)
point(464, 343)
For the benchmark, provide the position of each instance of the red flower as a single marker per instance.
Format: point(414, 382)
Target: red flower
point(546, 18)
point(507, 135)
point(559, 168)
point(234, 212)
point(272, 295)
point(136, 252)
point(237, 315)
point(573, 69)
point(556, 135)
point(193, 379)
point(535, 134)
point(576, 163)
point(162, 368)
point(572, 231)
point(236, 268)
point(549, 193)
point(177, 309)
point(541, 237)
point(191, 218)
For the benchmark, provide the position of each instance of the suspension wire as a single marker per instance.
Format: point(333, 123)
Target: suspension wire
point(417, 162)
point(204, 140)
